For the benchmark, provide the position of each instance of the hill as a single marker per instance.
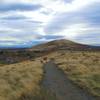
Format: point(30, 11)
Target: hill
point(16, 55)
point(80, 63)
point(63, 44)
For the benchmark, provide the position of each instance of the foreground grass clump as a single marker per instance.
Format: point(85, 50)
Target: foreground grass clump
point(42, 94)
point(17, 79)
point(82, 67)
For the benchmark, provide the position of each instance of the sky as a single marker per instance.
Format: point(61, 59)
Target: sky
point(24, 23)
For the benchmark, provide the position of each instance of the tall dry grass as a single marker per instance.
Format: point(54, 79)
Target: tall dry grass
point(82, 67)
point(19, 79)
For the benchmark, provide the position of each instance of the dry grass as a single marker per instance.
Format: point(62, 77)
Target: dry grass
point(19, 79)
point(82, 67)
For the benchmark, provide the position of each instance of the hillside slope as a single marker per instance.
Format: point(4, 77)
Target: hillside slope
point(63, 44)
point(17, 55)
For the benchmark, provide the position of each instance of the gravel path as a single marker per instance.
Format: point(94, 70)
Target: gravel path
point(58, 84)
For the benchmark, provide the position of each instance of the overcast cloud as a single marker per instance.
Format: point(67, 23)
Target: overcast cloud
point(24, 23)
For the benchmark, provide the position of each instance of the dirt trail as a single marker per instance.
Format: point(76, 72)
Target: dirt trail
point(58, 84)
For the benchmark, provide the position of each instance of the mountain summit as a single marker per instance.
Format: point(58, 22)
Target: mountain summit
point(63, 44)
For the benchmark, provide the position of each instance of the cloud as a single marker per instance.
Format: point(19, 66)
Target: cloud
point(67, 1)
point(22, 41)
point(53, 37)
point(29, 22)
point(75, 24)
point(13, 18)
point(92, 39)
point(18, 6)
point(89, 15)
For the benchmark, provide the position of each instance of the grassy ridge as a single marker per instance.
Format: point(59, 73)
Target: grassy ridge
point(18, 79)
point(21, 81)
point(82, 67)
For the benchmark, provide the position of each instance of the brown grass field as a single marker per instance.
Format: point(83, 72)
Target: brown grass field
point(18, 79)
point(82, 67)
point(22, 79)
